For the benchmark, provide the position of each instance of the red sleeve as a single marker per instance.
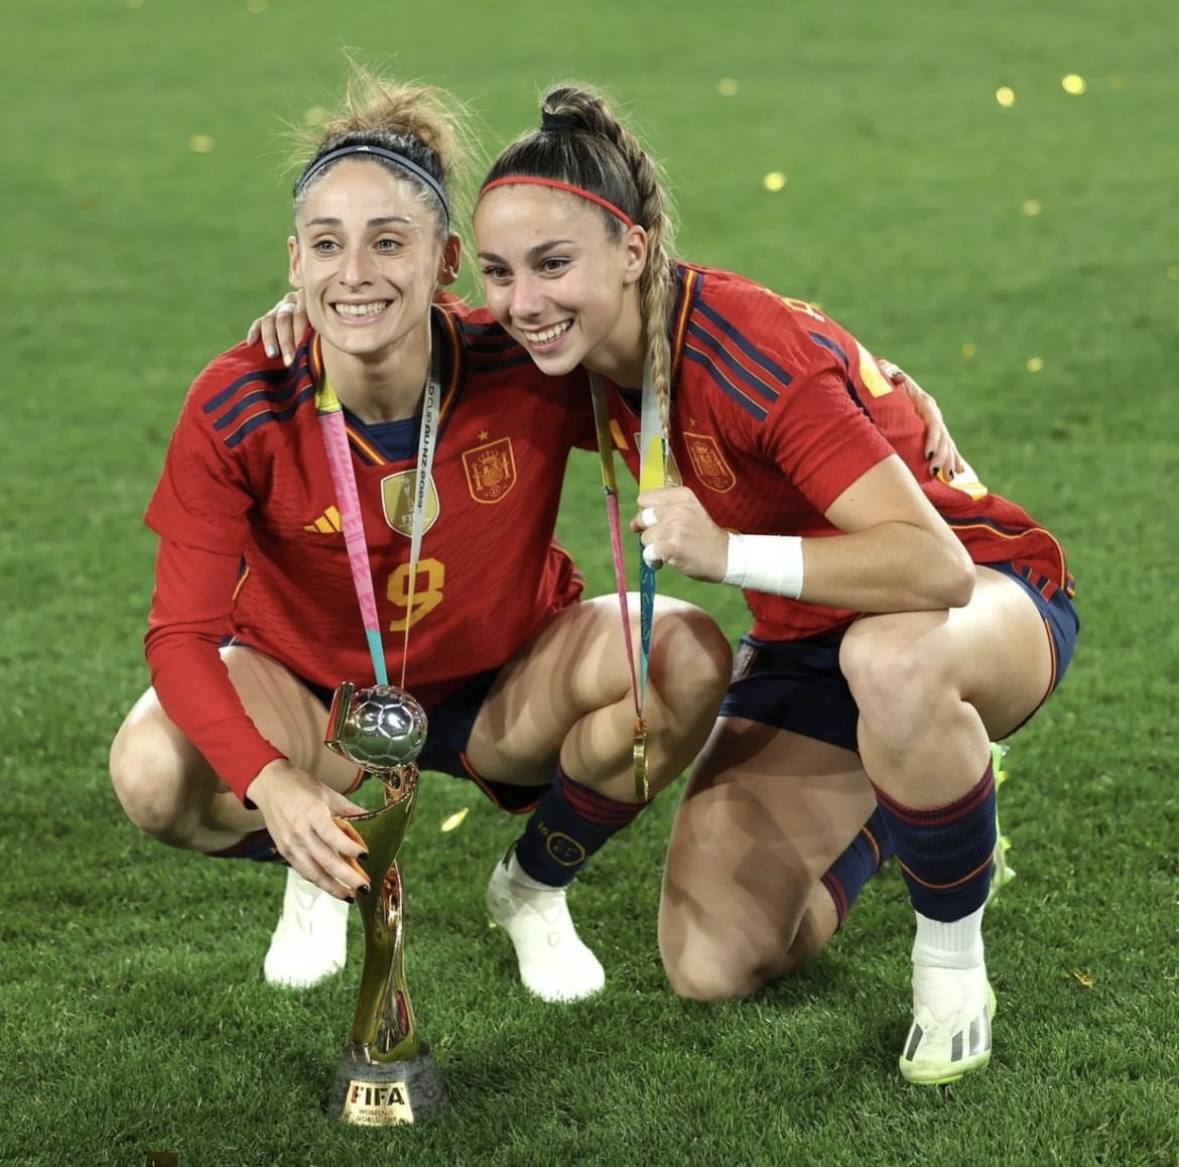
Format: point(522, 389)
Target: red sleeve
point(821, 438)
point(202, 498)
point(189, 618)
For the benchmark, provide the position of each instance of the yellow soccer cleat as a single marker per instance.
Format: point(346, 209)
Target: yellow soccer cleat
point(1003, 873)
point(951, 1031)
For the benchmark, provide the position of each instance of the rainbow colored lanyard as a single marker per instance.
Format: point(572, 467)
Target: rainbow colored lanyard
point(656, 469)
point(339, 456)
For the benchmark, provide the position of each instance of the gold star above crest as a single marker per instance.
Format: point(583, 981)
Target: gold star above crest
point(483, 435)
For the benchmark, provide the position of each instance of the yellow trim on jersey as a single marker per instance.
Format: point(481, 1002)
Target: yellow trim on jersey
point(874, 380)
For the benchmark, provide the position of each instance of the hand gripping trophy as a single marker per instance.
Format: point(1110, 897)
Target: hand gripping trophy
point(387, 1075)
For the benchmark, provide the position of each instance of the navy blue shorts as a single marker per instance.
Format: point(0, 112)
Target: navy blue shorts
point(797, 685)
point(1056, 610)
point(445, 751)
point(794, 685)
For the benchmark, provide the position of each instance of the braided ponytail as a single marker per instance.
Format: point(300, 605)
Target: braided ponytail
point(582, 143)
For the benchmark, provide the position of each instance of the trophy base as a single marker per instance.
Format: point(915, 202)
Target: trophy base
point(370, 1093)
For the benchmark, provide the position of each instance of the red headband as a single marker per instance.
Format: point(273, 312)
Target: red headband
point(529, 180)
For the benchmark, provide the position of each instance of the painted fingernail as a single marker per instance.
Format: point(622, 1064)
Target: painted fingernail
point(928, 455)
point(933, 470)
point(350, 899)
point(362, 855)
point(271, 351)
point(364, 889)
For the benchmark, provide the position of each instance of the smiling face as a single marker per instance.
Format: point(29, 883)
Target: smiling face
point(368, 257)
point(556, 280)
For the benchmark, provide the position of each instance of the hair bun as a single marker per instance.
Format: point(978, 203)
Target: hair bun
point(559, 123)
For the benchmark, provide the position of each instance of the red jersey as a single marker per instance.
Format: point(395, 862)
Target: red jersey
point(777, 410)
point(246, 489)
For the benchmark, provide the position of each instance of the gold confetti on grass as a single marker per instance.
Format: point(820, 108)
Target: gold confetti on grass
point(201, 144)
point(455, 820)
point(968, 350)
point(1073, 83)
point(1005, 96)
point(1084, 978)
point(726, 87)
point(1035, 364)
point(774, 181)
point(1031, 207)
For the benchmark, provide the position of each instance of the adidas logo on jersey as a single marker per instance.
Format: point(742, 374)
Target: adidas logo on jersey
point(327, 524)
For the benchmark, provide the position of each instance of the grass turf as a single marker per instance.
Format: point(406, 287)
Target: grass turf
point(132, 1014)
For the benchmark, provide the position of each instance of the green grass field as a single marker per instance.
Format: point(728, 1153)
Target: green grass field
point(132, 1011)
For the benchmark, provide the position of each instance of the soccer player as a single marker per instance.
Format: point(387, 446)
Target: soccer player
point(900, 618)
point(255, 619)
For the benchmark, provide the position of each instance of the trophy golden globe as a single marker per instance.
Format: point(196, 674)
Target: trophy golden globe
point(387, 1075)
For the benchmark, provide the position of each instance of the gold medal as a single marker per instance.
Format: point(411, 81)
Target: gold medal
point(642, 787)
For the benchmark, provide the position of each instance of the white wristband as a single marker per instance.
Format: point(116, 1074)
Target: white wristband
point(766, 563)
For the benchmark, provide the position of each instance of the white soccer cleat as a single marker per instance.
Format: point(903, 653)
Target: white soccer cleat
point(951, 1030)
point(310, 942)
point(554, 963)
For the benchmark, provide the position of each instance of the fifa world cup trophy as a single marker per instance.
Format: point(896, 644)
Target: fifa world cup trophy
point(387, 1075)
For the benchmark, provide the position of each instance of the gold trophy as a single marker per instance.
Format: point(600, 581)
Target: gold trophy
point(387, 1075)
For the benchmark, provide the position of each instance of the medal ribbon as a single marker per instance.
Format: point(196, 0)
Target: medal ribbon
point(339, 457)
point(610, 490)
point(427, 439)
point(656, 468)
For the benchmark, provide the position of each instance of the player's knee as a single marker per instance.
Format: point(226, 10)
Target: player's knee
point(893, 680)
point(714, 972)
point(721, 963)
point(693, 655)
point(147, 786)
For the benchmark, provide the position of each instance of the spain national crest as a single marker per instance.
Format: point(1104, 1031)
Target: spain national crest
point(397, 493)
point(709, 463)
point(491, 470)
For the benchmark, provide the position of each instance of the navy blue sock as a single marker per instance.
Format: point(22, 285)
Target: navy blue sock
point(257, 845)
point(864, 857)
point(570, 823)
point(945, 852)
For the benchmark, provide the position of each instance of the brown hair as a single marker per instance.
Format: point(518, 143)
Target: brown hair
point(581, 142)
point(420, 122)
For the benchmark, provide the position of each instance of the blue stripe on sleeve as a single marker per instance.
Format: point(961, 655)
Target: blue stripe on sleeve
point(248, 427)
point(750, 407)
point(756, 355)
